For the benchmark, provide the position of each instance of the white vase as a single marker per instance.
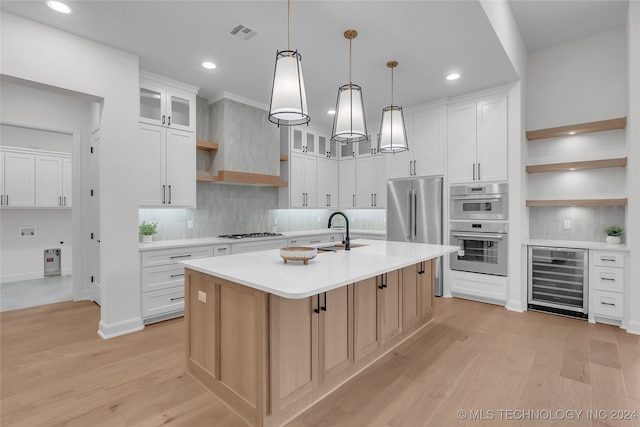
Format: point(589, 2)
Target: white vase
point(614, 240)
point(147, 238)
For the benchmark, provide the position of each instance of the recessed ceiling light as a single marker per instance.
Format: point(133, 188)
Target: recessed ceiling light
point(453, 76)
point(58, 6)
point(332, 112)
point(572, 169)
point(572, 133)
point(209, 65)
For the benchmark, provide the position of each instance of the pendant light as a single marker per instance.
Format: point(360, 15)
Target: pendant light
point(393, 135)
point(349, 124)
point(288, 105)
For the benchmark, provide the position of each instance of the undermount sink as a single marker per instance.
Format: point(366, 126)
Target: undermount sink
point(338, 247)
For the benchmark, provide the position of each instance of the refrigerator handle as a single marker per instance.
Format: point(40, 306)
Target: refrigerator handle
point(415, 215)
point(410, 213)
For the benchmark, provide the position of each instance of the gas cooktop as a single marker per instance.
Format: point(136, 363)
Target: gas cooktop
point(249, 235)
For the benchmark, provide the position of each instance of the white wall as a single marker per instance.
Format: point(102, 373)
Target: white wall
point(42, 54)
point(578, 82)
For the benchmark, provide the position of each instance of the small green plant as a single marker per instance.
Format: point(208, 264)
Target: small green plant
point(148, 229)
point(614, 230)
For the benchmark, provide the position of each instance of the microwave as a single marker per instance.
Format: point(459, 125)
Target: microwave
point(479, 202)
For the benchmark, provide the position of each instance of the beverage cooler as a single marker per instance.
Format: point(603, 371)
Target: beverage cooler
point(558, 280)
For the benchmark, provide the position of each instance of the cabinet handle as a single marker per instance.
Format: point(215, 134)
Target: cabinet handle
point(315, 241)
point(169, 202)
point(169, 121)
point(383, 281)
point(221, 249)
point(608, 259)
point(163, 119)
point(371, 199)
point(176, 275)
point(176, 298)
point(1, 199)
point(329, 199)
point(414, 167)
point(354, 200)
point(164, 194)
point(608, 278)
point(375, 199)
point(64, 200)
point(317, 309)
point(324, 307)
point(607, 303)
point(474, 171)
point(410, 168)
point(479, 172)
point(179, 256)
point(60, 201)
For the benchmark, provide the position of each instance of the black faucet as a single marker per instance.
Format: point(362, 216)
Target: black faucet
point(346, 241)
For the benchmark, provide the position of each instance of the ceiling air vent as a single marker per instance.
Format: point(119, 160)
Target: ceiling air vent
point(243, 32)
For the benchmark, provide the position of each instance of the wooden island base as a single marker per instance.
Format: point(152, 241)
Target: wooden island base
point(270, 358)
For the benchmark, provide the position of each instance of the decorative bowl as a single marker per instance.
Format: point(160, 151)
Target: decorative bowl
point(298, 253)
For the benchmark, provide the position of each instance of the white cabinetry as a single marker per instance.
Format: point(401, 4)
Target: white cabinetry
point(53, 181)
point(327, 182)
point(262, 245)
point(18, 179)
point(302, 180)
point(167, 167)
point(167, 143)
point(313, 240)
point(167, 103)
point(479, 287)
point(371, 181)
point(606, 284)
point(478, 140)
point(425, 134)
point(347, 190)
point(162, 280)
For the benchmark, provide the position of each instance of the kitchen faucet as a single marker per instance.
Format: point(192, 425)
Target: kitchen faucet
point(347, 245)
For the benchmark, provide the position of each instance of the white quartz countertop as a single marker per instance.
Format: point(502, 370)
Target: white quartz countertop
point(267, 272)
point(204, 241)
point(576, 244)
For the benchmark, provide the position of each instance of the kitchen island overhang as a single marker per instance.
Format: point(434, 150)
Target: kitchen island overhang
point(267, 272)
point(271, 339)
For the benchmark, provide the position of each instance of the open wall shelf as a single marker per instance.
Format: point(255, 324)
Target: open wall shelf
point(206, 146)
point(581, 128)
point(246, 178)
point(572, 166)
point(578, 202)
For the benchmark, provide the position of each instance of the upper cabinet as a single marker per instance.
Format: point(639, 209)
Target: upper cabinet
point(167, 103)
point(34, 178)
point(478, 140)
point(425, 135)
point(167, 143)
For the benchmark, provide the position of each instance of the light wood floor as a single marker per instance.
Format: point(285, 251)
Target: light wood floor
point(477, 358)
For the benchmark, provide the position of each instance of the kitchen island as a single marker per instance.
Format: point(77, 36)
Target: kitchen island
point(270, 339)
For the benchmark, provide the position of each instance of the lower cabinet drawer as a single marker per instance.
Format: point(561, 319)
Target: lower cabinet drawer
point(163, 301)
point(162, 277)
point(608, 279)
point(608, 304)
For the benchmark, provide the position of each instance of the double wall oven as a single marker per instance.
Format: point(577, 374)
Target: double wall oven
point(479, 226)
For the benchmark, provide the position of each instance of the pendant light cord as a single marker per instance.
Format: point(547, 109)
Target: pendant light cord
point(288, 24)
point(350, 41)
point(392, 86)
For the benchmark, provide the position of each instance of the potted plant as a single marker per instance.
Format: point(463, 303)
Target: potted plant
point(613, 233)
point(148, 230)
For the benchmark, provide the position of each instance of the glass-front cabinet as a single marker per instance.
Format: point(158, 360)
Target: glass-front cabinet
point(166, 105)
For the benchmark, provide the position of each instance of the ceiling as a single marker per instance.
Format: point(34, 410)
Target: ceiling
point(429, 39)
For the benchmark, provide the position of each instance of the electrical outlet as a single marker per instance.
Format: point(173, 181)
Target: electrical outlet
point(202, 296)
point(567, 224)
point(190, 223)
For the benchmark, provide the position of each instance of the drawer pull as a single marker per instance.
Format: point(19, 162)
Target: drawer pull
point(608, 259)
point(315, 241)
point(177, 275)
point(180, 256)
point(607, 303)
point(176, 298)
point(608, 278)
point(221, 249)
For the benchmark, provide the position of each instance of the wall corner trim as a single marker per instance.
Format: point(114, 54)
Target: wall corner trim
point(634, 327)
point(516, 306)
point(120, 328)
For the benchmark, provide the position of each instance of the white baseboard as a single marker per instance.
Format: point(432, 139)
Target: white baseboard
point(513, 305)
point(633, 327)
point(19, 277)
point(120, 328)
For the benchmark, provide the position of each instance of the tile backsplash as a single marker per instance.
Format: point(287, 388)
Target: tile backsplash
point(228, 209)
point(587, 223)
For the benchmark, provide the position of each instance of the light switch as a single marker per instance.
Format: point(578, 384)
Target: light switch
point(567, 224)
point(189, 223)
point(202, 296)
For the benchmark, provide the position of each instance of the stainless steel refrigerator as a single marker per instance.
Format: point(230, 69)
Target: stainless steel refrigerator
point(414, 214)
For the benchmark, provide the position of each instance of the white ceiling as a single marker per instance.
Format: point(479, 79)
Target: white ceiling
point(429, 39)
